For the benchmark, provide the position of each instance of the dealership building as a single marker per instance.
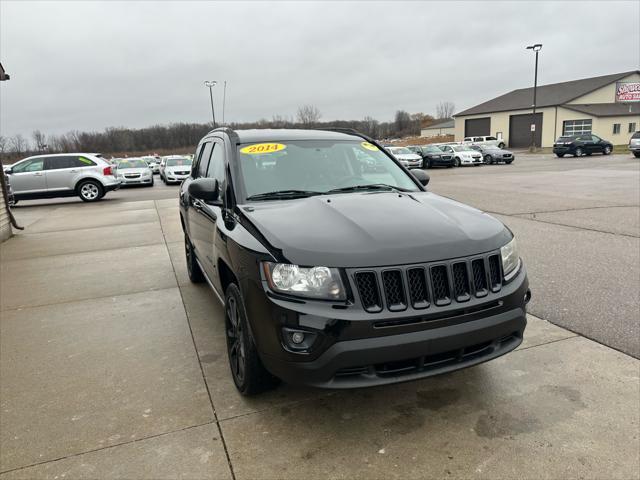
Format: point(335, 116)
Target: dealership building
point(607, 106)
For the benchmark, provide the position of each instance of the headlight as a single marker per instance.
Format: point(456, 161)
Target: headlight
point(510, 258)
point(314, 282)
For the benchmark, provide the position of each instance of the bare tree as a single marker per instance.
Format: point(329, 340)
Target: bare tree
point(445, 110)
point(370, 126)
point(18, 144)
point(402, 123)
point(308, 115)
point(3, 144)
point(39, 139)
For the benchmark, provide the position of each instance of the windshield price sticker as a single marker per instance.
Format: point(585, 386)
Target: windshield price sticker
point(369, 146)
point(262, 148)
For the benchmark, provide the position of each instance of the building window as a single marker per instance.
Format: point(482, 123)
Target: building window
point(576, 127)
point(616, 128)
point(632, 127)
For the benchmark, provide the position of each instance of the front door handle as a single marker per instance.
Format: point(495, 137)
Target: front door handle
point(37, 174)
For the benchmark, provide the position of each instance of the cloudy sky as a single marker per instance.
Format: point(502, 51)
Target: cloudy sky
point(90, 65)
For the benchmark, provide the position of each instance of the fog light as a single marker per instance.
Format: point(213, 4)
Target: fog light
point(298, 341)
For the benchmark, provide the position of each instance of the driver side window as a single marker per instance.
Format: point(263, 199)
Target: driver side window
point(35, 165)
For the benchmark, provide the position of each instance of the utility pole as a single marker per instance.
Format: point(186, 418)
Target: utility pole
point(211, 84)
point(536, 48)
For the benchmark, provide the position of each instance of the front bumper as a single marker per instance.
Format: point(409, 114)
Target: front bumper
point(471, 161)
point(136, 181)
point(440, 162)
point(358, 353)
point(174, 177)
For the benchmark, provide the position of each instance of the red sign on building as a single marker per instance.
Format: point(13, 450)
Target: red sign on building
point(628, 92)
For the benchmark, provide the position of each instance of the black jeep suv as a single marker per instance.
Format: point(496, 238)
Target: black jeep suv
point(579, 145)
point(338, 276)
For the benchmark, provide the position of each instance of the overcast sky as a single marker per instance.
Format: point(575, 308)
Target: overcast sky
point(90, 65)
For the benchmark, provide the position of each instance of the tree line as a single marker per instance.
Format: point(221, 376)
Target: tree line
point(182, 136)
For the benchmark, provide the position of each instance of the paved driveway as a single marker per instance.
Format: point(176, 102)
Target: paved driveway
point(112, 365)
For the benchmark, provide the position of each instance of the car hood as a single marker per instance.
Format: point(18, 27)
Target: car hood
point(374, 229)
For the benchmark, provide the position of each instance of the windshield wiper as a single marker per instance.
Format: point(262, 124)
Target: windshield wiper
point(278, 194)
point(370, 186)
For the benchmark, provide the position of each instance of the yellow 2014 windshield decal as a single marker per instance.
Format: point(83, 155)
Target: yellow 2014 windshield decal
point(369, 146)
point(261, 148)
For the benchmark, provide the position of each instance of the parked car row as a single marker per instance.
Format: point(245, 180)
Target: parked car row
point(450, 155)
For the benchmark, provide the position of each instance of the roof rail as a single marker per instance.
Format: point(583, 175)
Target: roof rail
point(228, 130)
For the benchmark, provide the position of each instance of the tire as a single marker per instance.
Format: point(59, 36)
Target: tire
point(501, 145)
point(426, 163)
point(458, 164)
point(90, 190)
point(151, 184)
point(509, 162)
point(488, 159)
point(193, 269)
point(635, 154)
point(560, 155)
point(578, 152)
point(247, 370)
point(607, 150)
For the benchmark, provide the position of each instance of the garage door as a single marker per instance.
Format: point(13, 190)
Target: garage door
point(476, 127)
point(520, 130)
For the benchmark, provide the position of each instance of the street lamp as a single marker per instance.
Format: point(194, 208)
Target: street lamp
point(536, 48)
point(211, 84)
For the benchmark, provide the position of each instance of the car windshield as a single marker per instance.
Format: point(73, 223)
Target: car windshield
point(179, 162)
point(462, 148)
point(401, 150)
point(132, 164)
point(432, 149)
point(314, 167)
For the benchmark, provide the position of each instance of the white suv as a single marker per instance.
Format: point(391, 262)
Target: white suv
point(62, 175)
point(483, 141)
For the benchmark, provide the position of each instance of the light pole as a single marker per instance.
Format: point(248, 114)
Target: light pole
point(536, 48)
point(224, 100)
point(211, 84)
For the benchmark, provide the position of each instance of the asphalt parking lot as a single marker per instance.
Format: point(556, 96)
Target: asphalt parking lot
point(113, 365)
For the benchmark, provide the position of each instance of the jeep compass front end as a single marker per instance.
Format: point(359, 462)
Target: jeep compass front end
point(334, 275)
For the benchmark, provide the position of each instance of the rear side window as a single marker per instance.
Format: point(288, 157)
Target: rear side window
point(636, 135)
point(491, 138)
point(478, 139)
point(67, 161)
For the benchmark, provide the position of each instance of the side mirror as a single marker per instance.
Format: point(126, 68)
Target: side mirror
point(421, 176)
point(205, 189)
point(8, 171)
